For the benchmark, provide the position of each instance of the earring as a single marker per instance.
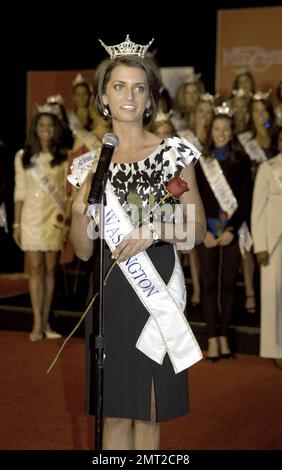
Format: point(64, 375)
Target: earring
point(147, 113)
point(106, 112)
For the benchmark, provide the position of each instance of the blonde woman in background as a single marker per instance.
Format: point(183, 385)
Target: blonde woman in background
point(197, 135)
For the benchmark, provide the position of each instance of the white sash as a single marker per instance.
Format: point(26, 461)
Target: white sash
point(275, 167)
point(251, 147)
point(40, 176)
point(167, 329)
point(225, 197)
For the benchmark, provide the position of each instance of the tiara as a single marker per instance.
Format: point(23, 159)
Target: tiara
point(126, 48)
point(45, 108)
point(55, 99)
point(209, 97)
point(224, 110)
point(262, 95)
point(193, 78)
point(79, 80)
point(241, 93)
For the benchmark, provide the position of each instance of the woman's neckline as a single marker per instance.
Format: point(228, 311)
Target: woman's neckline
point(143, 160)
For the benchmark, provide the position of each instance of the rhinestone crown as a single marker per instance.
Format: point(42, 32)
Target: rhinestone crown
point(55, 99)
point(223, 109)
point(126, 48)
point(45, 108)
point(262, 95)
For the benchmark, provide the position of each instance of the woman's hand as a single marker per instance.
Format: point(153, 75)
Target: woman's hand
point(80, 204)
point(225, 238)
point(17, 235)
point(136, 241)
point(82, 244)
point(262, 258)
point(210, 241)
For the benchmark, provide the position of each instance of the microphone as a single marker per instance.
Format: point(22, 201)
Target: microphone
point(110, 141)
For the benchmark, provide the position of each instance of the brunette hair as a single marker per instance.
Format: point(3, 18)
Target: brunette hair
point(103, 75)
point(33, 146)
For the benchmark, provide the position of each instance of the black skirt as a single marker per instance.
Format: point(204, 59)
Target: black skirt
point(128, 373)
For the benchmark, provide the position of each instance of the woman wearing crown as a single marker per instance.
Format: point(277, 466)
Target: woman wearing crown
point(259, 141)
point(39, 214)
point(149, 343)
point(56, 103)
point(240, 104)
point(79, 118)
point(245, 81)
point(224, 181)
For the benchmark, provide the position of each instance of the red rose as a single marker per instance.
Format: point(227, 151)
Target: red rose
point(223, 215)
point(60, 218)
point(177, 186)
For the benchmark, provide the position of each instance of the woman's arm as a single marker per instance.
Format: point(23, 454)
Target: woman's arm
point(17, 222)
point(83, 245)
point(259, 209)
point(193, 197)
point(19, 196)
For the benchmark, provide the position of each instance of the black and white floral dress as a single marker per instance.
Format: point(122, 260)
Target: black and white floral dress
point(128, 373)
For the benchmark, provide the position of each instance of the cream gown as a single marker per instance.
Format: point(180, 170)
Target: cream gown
point(42, 188)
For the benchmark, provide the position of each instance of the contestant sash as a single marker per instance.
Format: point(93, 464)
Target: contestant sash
point(167, 330)
point(40, 176)
point(251, 147)
point(225, 197)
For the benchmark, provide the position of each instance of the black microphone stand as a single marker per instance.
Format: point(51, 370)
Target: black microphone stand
point(100, 337)
point(98, 345)
point(97, 195)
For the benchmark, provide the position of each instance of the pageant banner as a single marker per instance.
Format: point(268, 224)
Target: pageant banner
point(249, 39)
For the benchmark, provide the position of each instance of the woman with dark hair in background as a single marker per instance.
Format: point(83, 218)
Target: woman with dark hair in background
point(225, 185)
point(245, 81)
point(39, 214)
point(57, 107)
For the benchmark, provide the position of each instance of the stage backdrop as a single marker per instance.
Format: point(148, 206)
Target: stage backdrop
point(41, 84)
point(249, 38)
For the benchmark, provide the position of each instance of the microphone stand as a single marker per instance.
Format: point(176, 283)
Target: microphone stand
point(100, 337)
point(97, 195)
point(98, 345)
